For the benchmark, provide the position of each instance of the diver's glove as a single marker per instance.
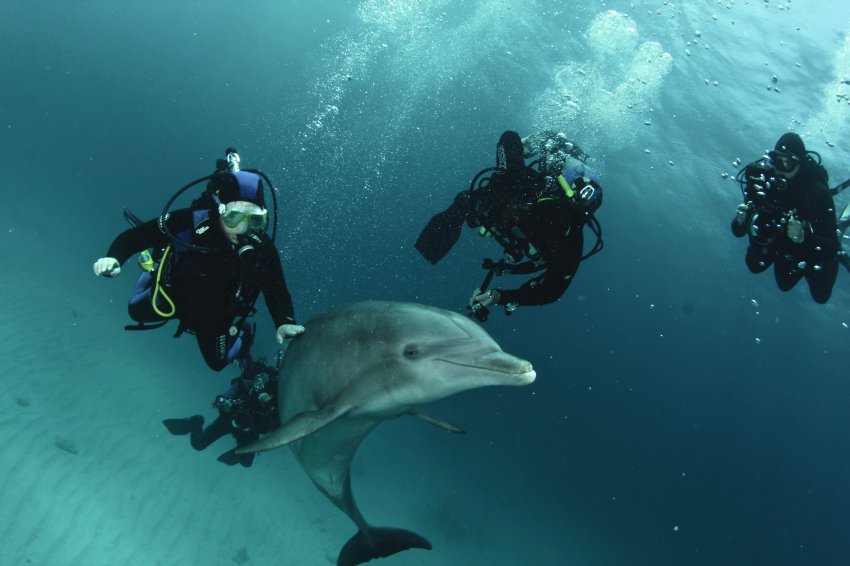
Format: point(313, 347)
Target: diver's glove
point(741, 213)
point(794, 230)
point(285, 331)
point(107, 266)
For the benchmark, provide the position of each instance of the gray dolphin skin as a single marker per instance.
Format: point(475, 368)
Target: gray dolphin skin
point(359, 365)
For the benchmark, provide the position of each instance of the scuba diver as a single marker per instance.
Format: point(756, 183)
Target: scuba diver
point(206, 265)
point(536, 212)
point(246, 410)
point(788, 215)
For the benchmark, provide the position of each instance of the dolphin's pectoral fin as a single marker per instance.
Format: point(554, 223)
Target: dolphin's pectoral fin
point(436, 421)
point(297, 427)
point(378, 542)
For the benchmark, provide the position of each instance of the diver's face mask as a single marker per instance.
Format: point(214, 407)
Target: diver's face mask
point(242, 217)
point(253, 217)
point(786, 163)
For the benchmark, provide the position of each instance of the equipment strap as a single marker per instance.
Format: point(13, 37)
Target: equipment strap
point(839, 188)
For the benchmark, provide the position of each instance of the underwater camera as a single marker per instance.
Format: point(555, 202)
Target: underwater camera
point(763, 188)
point(763, 185)
point(765, 228)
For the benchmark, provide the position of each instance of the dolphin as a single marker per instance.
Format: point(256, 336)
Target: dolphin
point(362, 364)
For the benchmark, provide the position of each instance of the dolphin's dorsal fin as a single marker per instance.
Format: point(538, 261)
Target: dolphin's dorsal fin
point(297, 427)
point(436, 421)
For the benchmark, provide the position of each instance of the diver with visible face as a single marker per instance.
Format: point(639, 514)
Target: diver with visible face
point(788, 215)
point(206, 266)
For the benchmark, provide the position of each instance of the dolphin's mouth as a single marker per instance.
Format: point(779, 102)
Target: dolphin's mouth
point(516, 370)
point(499, 362)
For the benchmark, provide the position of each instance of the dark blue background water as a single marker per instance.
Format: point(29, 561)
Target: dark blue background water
point(674, 420)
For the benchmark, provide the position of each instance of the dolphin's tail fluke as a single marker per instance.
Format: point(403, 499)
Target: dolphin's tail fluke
point(378, 542)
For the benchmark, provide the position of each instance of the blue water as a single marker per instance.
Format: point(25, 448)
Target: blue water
point(685, 412)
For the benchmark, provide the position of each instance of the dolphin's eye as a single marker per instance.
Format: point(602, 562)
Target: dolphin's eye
point(411, 352)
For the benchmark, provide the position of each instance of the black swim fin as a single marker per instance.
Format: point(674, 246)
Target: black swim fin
point(443, 230)
point(179, 427)
point(509, 152)
point(231, 458)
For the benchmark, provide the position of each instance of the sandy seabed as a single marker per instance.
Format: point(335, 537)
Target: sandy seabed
point(90, 476)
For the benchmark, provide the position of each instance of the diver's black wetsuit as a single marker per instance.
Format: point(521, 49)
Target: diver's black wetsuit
point(247, 410)
point(554, 227)
point(519, 206)
point(549, 221)
point(210, 290)
point(815, 258)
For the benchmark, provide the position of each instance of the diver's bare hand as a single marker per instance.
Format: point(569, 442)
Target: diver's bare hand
point(741, 213)
point(484, 299)
point(794, 230)
point(107, 267)
point(285, 331)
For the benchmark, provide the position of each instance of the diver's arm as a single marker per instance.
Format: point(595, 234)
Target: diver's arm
point(147, 235)
point(541, 290)
point(576, 152)
point(548, 287)
point(821, 234)
point(273, 286)
point(523, 268)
